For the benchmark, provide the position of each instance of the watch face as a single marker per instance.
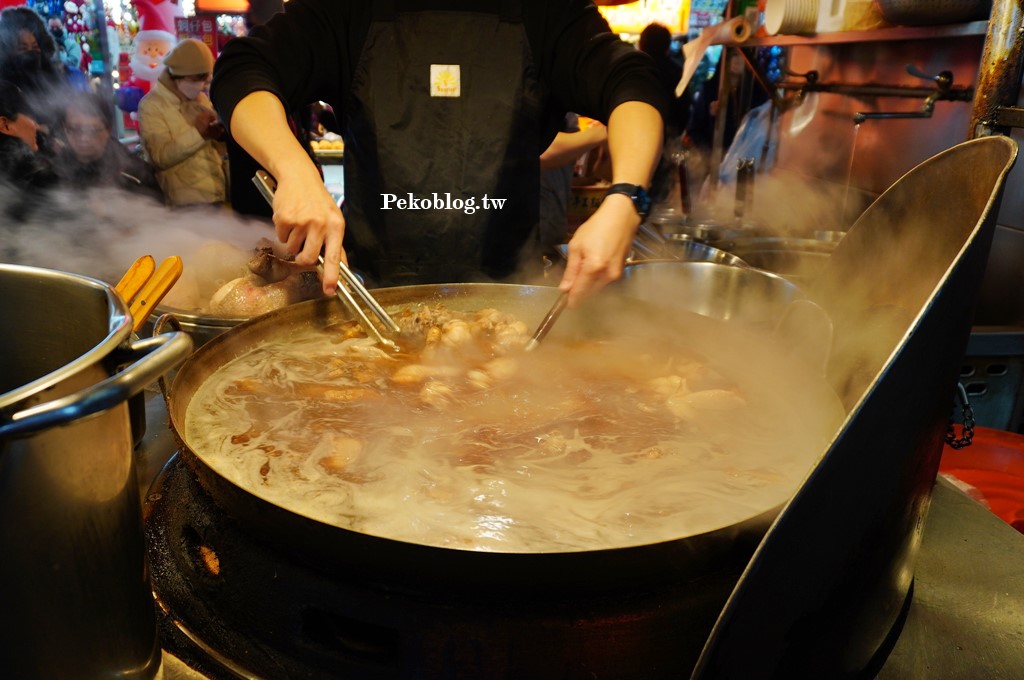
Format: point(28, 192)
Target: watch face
point(642, 201)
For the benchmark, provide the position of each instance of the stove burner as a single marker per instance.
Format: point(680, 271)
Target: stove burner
point(235, 605)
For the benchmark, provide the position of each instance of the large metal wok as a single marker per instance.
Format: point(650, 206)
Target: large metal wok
point(686, 558)
point(660, 597)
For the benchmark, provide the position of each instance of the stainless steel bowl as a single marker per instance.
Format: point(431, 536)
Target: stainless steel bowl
point(797, 259)
point(718, 291)
point(685, 249)
point(713, 233)
point(200, 327)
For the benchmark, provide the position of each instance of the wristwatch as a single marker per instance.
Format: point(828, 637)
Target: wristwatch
point(637, 194)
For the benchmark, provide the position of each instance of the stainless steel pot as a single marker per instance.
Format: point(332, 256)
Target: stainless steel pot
point(76, 601)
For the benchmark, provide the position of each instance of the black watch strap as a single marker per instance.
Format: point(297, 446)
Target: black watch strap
point(636, 193)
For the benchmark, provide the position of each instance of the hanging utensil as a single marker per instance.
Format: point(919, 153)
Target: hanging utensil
point(162, 280)
point(549, 320)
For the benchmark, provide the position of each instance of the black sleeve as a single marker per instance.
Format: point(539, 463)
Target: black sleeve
point(303, 55)
point(588, 69)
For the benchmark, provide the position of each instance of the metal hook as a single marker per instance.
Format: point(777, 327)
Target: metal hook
point(811, 76)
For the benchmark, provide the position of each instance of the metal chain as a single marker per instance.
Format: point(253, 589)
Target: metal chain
point(968, 427)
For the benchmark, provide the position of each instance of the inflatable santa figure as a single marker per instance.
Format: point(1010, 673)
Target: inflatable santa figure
point(154, 40)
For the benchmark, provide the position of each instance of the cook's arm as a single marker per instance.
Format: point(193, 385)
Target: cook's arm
point(568, 146)
point(599, 247)
point(306, 217)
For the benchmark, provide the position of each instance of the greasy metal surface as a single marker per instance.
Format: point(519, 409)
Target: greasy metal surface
point(1000, 69)
point(829, 612)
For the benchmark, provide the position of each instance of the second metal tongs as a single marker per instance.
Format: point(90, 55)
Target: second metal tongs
point(350, 288)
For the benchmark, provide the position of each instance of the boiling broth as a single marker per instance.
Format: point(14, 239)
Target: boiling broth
point(476, 445)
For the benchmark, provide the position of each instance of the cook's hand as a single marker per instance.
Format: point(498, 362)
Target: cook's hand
point(599, 248)
point(306, 220)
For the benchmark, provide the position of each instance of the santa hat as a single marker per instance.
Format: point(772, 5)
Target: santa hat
point(156, 20)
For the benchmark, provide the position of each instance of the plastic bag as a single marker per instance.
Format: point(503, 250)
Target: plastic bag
point(757, 138)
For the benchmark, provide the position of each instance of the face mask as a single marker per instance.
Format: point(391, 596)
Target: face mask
point(190, 89)
point(29, 61)
point(57, 33)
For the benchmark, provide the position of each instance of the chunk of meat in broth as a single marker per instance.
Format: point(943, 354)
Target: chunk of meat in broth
point(249, 296)
point(342, 458)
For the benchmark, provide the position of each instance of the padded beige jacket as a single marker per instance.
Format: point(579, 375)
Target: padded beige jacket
point(189, 168)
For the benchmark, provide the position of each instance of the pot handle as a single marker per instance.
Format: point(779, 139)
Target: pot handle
point(160, 326)
point(151, 357)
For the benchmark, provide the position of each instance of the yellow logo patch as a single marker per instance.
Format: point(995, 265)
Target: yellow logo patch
point(445, 80)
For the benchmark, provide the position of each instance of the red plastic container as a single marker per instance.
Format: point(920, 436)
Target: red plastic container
point(991, 470)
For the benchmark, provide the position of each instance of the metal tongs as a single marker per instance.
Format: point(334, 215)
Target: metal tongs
point(350, 287)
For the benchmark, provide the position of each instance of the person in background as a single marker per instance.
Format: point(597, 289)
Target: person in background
point(92, 157)
point(556, 171)
point(69, 52)
point(656, 42)
point(24, 172)
point(27, 61)
point(179, 130)
point(445, 97)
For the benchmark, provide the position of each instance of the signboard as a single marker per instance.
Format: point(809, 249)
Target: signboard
point(222, 6)
point(202, 28)
point(634, 16)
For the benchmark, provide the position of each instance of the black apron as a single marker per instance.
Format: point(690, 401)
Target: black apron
point(442, 115)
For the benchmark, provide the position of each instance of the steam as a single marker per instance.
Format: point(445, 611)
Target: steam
point(784, 204)
point(99, 233)
point(890, 264)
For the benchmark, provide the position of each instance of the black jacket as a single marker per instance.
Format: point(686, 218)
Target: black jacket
point(24, 177)
point(309, 54)
point(115, 168)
